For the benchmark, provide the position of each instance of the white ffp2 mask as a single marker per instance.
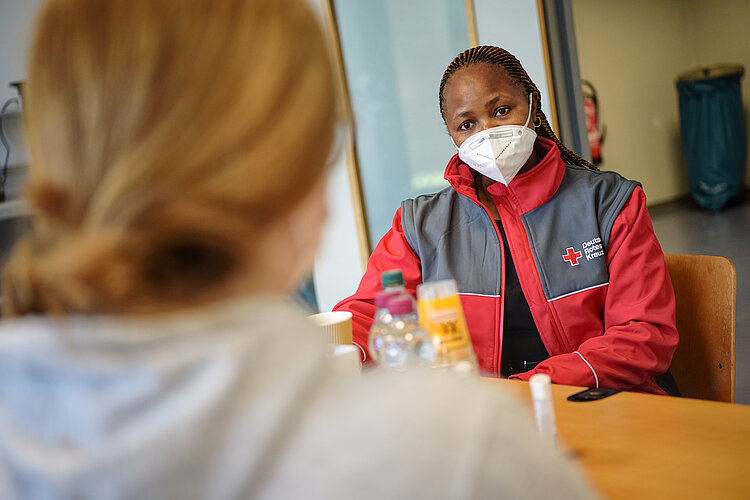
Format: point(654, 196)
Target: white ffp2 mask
point(499, 152)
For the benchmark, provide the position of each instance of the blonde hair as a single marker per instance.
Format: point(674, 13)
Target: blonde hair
point(164, 136)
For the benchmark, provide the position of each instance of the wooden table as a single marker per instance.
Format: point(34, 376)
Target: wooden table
point(637, 446)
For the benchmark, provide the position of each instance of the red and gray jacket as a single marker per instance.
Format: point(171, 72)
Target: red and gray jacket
point(588, 262)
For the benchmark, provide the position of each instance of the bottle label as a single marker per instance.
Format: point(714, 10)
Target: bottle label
point(444, 319)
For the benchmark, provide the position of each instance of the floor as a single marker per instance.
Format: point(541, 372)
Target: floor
point(683, 227)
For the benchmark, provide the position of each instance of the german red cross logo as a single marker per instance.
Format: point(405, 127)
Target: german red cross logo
point(571, 256)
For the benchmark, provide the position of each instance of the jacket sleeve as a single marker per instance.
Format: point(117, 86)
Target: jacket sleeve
point(392, 252)
point(640, 334)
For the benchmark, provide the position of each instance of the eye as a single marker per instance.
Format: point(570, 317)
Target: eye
point(465, 126)
point(502, 111)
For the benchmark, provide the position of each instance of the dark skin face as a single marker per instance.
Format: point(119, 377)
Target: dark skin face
point(482, 96)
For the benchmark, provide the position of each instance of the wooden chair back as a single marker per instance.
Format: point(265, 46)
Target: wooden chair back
point(705, 288)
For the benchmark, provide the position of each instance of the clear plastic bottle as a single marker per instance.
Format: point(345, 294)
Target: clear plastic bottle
point(380, 320)
point(397, 341)
point(381, 305)
point(441, 314)
point(393, 283)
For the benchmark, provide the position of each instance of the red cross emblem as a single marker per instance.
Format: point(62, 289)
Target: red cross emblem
point(572, 256)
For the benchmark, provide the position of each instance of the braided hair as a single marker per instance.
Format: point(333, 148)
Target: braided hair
point(500, 57)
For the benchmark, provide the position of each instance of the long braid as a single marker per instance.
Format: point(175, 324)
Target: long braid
point(496, 56)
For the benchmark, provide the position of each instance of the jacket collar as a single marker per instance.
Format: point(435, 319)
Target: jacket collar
point(529, 190)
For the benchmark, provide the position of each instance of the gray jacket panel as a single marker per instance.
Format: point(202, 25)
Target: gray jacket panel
point(579, 216)
point(453, 238)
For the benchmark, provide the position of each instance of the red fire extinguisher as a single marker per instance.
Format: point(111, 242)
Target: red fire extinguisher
point(595, 132)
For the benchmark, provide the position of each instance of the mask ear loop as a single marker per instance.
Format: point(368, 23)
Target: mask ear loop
point(528, 118)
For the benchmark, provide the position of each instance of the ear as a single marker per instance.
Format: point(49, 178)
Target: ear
point(535, 106)
point(535, 101)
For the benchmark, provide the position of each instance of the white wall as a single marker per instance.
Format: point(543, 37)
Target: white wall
point(338, 266)
point(632, 52)
point(16, 23)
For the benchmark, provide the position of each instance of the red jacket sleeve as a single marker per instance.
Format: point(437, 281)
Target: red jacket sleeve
point(640, 334)
point(392, 252)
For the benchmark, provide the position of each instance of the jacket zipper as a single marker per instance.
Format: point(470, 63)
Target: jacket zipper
point(553, 319)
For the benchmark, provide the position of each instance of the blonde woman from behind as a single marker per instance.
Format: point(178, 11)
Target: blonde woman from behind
point(178, 155)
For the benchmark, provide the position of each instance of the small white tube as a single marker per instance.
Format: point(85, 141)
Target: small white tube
point(544, 410)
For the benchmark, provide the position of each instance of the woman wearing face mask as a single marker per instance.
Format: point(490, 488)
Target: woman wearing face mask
point(147, 349)
point(557, 265)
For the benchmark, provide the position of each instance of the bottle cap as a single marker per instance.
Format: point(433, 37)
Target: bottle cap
point(392, 277)
point(540, 386)
point(400, 305)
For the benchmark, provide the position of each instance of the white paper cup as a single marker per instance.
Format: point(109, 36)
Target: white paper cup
point(346, 358)
point(336, 326)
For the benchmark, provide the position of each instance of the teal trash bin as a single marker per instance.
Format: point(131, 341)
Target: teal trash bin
point(713, 133)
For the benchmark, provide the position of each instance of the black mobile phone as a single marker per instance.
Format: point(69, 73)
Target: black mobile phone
point(592, 394)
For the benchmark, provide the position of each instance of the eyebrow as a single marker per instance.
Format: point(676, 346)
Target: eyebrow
point(488, 104)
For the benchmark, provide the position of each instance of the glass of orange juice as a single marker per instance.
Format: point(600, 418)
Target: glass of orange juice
point(441, 314)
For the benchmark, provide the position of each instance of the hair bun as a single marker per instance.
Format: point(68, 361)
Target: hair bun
point(81, 272)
